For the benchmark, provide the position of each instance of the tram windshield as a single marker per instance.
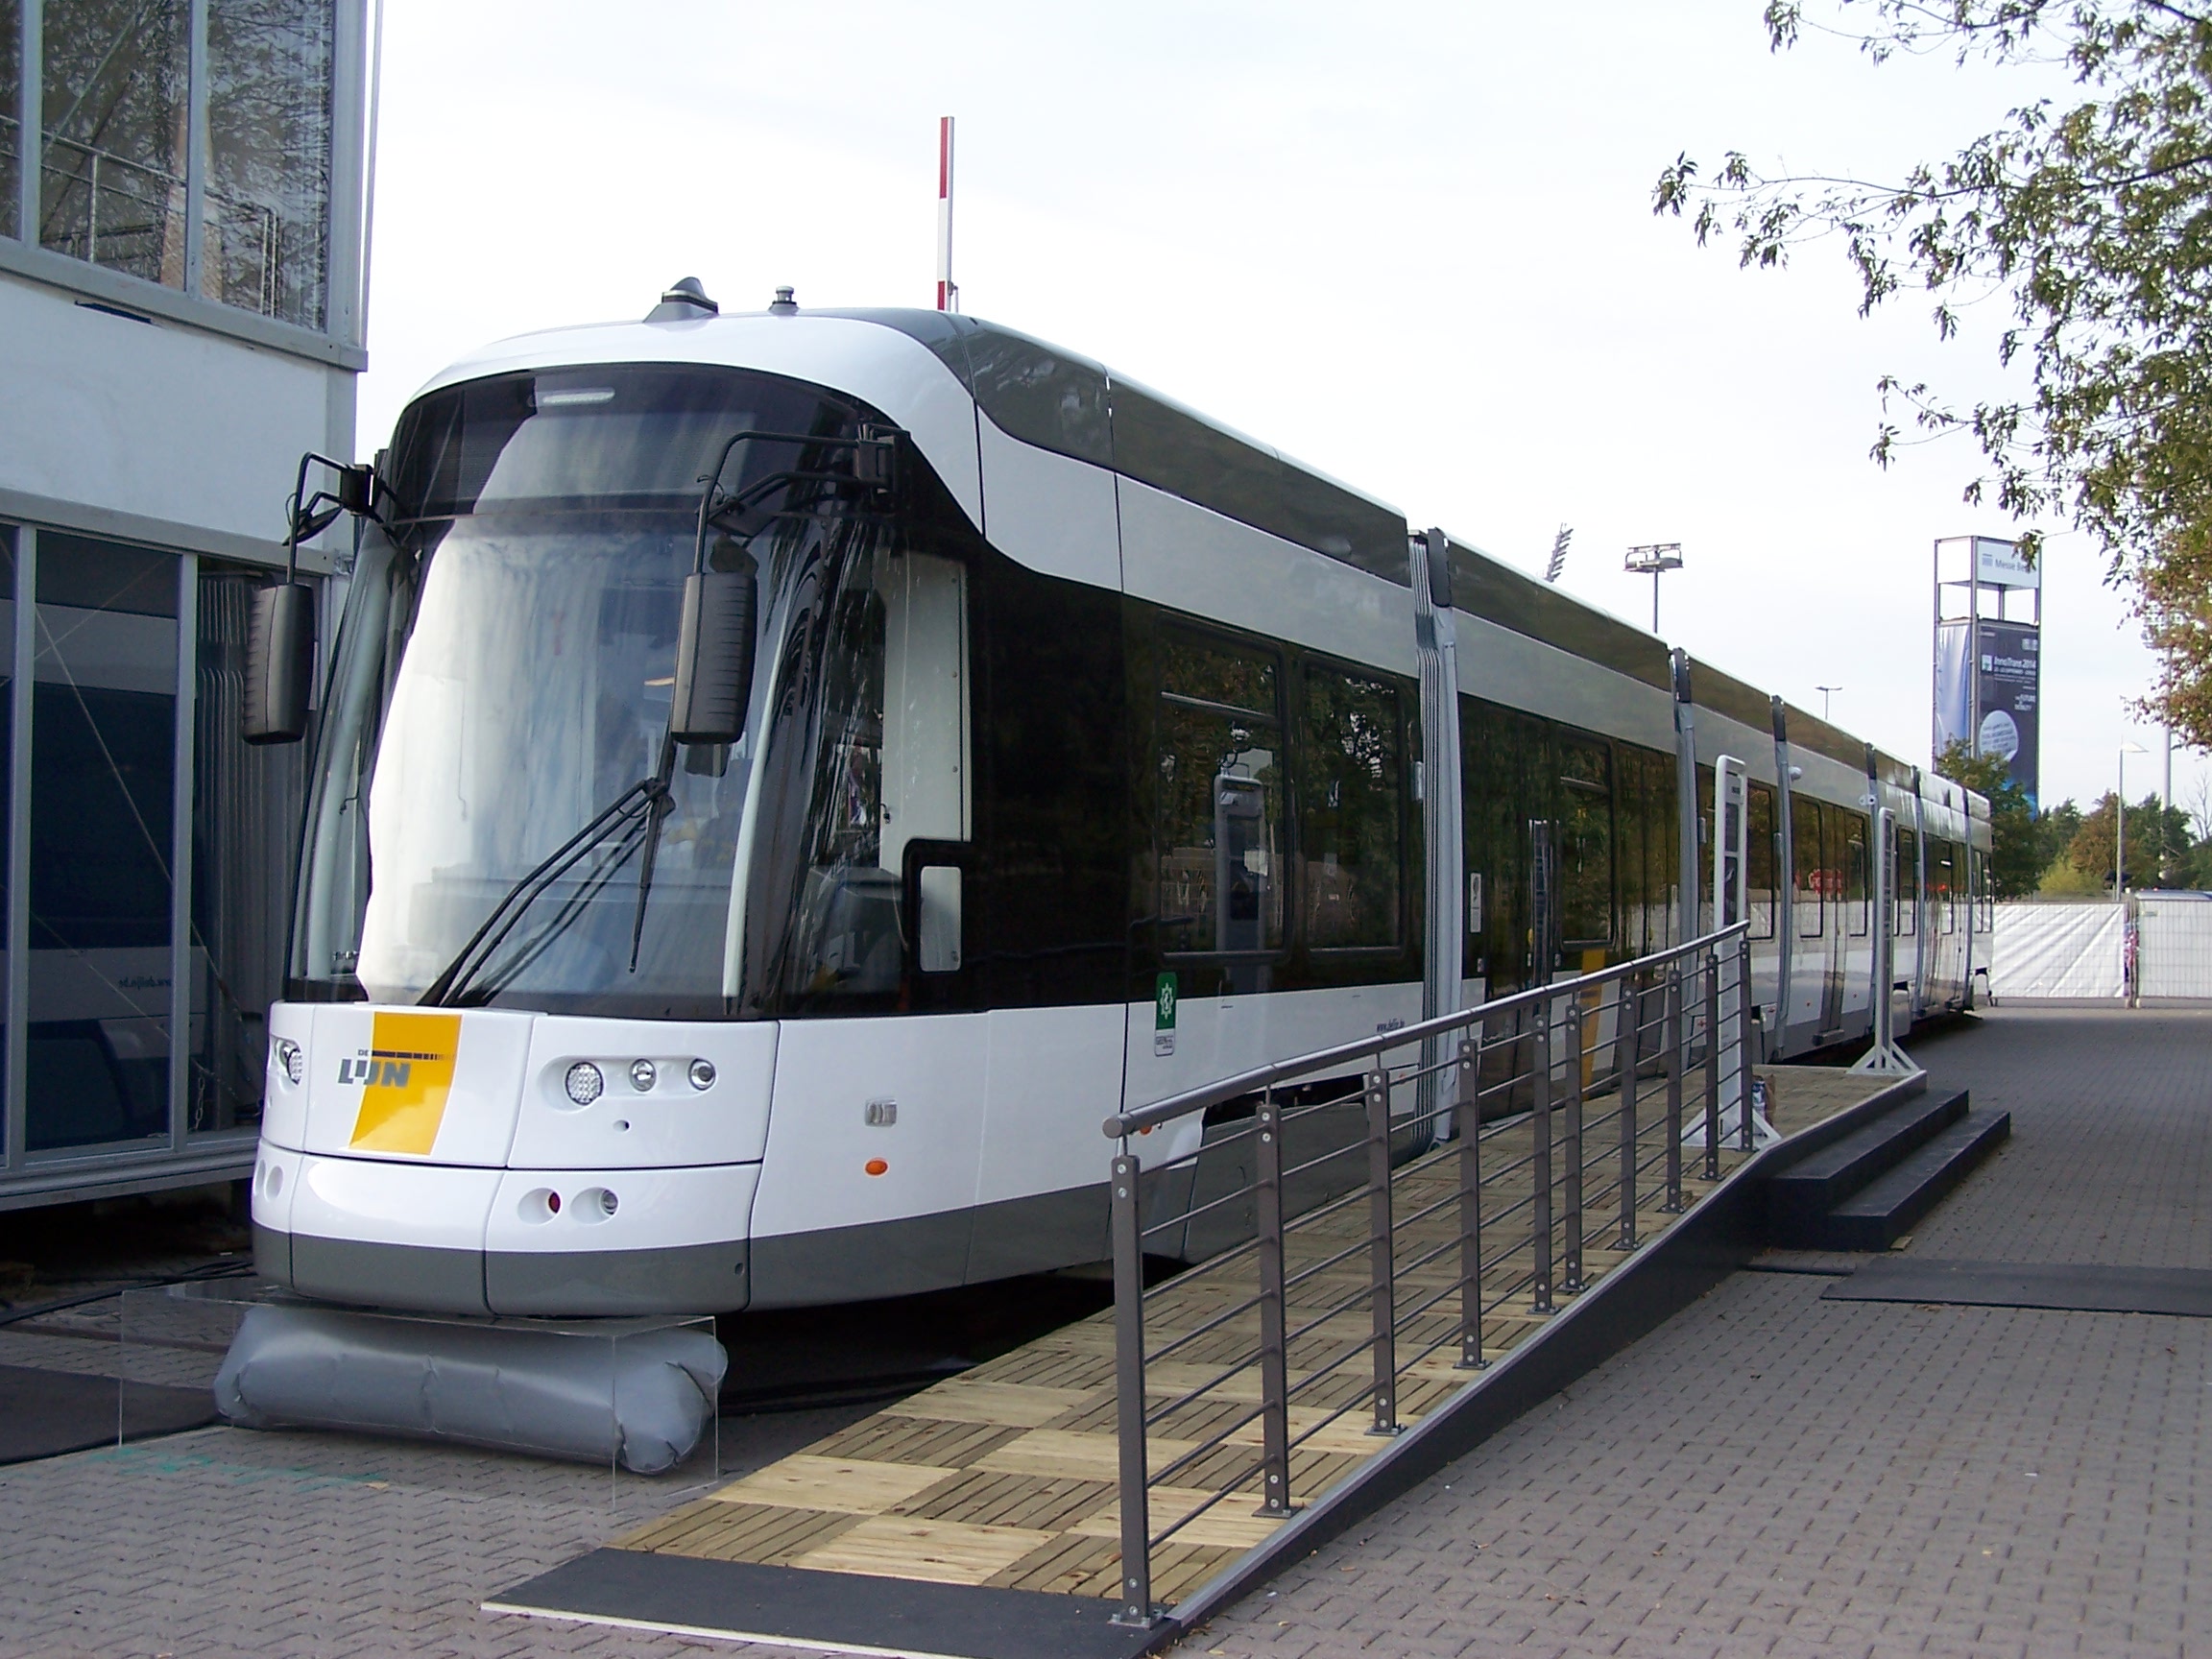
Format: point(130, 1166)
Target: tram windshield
point(504, 672)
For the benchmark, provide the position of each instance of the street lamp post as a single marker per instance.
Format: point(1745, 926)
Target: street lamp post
point(2119, 825)
point(1654, 560)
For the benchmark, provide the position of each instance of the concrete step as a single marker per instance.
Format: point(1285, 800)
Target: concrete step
point(1887, 1208)
point(1815, 1184)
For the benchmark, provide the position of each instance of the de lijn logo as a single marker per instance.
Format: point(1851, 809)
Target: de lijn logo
point(1163, 1015)
point(405, 1077)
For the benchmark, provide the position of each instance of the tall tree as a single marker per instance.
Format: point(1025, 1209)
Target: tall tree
point(2015, 857)
point(2092, 218)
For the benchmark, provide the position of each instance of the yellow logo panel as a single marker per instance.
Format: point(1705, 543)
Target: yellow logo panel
point(406, 1076)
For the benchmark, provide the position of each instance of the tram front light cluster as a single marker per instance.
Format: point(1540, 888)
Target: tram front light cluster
point(643, 1075)
point(585, 1080)
point(584, 1083)
point(291, 1060)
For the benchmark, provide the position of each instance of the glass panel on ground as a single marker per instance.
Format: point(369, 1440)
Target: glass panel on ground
point(102, 766)
point(111, 189)
point(268, 194)
point(246, 802)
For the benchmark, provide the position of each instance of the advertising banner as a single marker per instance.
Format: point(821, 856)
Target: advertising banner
point(1954, 688)
point(2008, 681)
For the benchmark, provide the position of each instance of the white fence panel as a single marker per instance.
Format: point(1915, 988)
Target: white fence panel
point(2176, 946)
point(2071, 950)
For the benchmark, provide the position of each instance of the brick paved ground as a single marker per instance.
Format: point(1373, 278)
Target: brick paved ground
point(1772, 1474)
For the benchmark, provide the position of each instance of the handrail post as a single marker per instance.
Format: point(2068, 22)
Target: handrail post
point(1470, 1207)
point(1540, 1197)
point(1675, 1062)
point(1129, 1395)
point(1571, 1262)
point(1381, 1268)
point(1712, 1064)
point(1274, 1366)
point(1631, 1039)
point(1746, 1010)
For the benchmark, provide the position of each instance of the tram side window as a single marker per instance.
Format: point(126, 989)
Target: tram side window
point(1586, 847)
point(1945, 890)
point(1220, 828)
point(1349, 813)
point(1855, 874)
point(1907, 887)
point(1810, 879)
point(1759, 859)
point(1632, 828)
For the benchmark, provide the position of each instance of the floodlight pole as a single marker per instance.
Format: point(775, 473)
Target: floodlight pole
point(1654, 559)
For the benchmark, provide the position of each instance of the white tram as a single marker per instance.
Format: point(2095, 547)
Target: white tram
point(1070, 756)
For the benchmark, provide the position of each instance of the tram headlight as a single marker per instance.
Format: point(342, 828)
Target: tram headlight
point(643, 1076)
point(584, 1083)
point(293, 1062)
point(702, 1073)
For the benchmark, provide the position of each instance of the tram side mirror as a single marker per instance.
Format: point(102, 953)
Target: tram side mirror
point(714, 657)
point(279, 662)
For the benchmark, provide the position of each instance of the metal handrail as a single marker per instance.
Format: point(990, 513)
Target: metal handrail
point(1602, 1076)
point(1123, 1125)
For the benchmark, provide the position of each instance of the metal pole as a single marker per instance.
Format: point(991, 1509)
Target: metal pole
point(1129, 1396)
point(1380, 1268)
point(1674, 1043)
point(1470, 1208)
point(1631, 1040)
point(1570, 1278)
point(1540, 1227)
point(1274, 1364)
point(1745, 1012)
point(1713, 1065)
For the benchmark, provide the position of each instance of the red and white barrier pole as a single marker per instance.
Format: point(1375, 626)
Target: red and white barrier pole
point(948, 291)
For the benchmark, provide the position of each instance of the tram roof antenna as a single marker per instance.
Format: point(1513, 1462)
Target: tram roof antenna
point(683, 300)
point(1553, 570)
point(948, 289)
point(783, 304)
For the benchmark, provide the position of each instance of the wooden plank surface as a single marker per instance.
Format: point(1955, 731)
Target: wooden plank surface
point(1006, 1474)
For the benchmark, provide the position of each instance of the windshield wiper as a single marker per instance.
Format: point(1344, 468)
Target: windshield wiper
point(637, 807)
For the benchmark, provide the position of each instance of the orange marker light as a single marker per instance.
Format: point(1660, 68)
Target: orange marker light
point(876, 1166)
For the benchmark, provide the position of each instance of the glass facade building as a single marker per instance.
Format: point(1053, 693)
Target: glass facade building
point(182, 193)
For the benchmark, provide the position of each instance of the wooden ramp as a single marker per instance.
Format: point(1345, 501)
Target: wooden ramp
point(1004, 1476)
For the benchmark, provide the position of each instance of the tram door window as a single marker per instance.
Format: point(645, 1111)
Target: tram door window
point(1632, 851)
point(892, 769)
point(1808, 878)
point(1220, 828)
point(1855, 874)
point(1351, 817)
point(1759, 857)
point(1905, 885)
point(1941, 885)
point(1585, 853)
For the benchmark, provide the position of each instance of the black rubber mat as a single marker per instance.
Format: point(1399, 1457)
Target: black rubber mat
point(2065, 1286)
point(45, 1414)
point(837, 1611)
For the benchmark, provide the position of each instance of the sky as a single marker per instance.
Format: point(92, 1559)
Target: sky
point(1410, 245)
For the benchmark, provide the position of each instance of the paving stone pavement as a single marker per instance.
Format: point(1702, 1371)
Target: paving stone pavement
point(225, 1542)
point(1772, 1474)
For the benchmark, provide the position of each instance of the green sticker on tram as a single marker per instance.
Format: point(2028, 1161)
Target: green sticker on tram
point(1164, 1003)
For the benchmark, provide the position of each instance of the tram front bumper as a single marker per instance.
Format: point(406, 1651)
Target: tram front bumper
point(445, 1238)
